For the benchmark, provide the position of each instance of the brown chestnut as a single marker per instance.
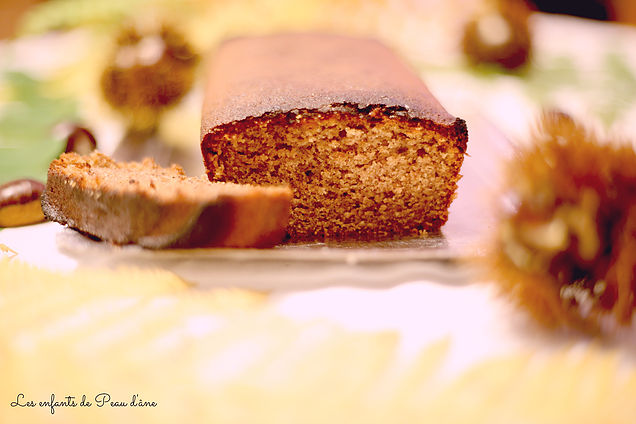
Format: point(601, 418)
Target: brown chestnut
point(78, 139)
point(499, 34)
point(20, 203)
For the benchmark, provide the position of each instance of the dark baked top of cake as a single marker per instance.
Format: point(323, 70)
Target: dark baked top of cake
point(280, 73)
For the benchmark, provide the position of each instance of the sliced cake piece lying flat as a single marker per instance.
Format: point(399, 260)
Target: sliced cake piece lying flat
point(158, 207)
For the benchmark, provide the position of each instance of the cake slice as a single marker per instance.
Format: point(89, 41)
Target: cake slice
point(369, 153)
point(156, 207)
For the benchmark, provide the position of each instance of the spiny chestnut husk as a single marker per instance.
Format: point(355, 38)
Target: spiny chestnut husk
point(499, 34)
point(151, 69)
point(566, 251)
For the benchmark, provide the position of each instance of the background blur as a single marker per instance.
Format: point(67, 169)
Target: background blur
point(494, 63)
point(617, 10)
point(74, 61)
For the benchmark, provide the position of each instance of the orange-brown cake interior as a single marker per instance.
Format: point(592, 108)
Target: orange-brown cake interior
point(369, 175)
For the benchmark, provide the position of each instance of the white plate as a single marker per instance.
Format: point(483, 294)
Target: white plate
point(301, 266)
point(287, 267)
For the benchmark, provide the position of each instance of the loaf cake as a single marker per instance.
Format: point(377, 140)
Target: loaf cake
point(158, 207)
point(369, 153)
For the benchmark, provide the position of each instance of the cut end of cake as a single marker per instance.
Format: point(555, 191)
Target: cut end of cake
point(143, 203)
point(358, 173)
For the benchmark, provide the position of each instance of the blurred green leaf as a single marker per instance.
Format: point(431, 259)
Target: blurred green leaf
point(66, 14)
point(619, 87)
point(27, 142)
point(543, 81)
